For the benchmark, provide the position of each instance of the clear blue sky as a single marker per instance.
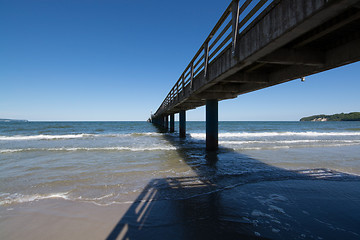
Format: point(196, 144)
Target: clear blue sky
point(117, 60)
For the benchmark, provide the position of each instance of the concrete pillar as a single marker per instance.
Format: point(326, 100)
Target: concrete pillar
point(172, 123)
point(212, 125)
point(166, 122)
point(182, 123)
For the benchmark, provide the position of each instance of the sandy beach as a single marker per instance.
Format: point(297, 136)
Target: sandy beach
point(58, 219)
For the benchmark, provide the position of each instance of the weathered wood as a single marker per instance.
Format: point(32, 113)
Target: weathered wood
point(223, 88)
point(216, 95)
point(183, 84)
point(198, 61)
point(251, 13)
point(220, 46)
point(192, 74)
point(297, 57)
point(235, 25)
point(199, 69)
point(206, 58)
point(221, 34)
point(331, 28)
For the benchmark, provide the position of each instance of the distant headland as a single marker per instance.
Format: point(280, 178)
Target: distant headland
point(12, 120)
point(353, 116)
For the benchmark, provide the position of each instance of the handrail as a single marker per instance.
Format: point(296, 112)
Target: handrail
point(200, 64)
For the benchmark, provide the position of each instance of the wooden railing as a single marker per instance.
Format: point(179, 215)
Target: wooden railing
point(224, 35)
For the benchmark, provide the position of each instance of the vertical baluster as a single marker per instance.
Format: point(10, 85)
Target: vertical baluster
point(192, 75)
point(183, 84)
point(206, 58)
point(235, 26)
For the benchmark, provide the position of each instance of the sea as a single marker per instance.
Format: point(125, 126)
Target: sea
point(103, 162)
point(109, 163)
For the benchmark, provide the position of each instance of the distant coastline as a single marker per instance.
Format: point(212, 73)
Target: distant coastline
point(12, 120)
point(353, 116)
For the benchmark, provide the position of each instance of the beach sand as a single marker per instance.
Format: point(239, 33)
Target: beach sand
point(286, 209)
point(58, 219)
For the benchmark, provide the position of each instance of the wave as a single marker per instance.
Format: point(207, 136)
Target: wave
point(7, 199)
point(289, 141)
point(276, 134)
point(285, 144)
point(43, 137)
point(274, 147)
point(132, 149)
point(146, 134)
point(73, 136)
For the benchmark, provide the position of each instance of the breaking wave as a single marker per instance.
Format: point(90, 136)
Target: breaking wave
point(73, 136)
point(7, 199)
point(132, 149)
point(277, 134)
point(43, 137)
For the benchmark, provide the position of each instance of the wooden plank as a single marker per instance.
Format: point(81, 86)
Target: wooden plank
point(220, 35)
point(220, 46)
point(199, 68)
point(197, 63)
point(295, 57)
point(251, 13)
point(329, 29)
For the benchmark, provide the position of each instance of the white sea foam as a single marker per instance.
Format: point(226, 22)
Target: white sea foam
point(43, 137)
point(73, 136)
point(290, 141)
point(193, 135)
point(147, 134)
point(10, 150)
point(133, 149)
point(268, 144)
point(274, 147)
point(7, 199)
point(276, 134)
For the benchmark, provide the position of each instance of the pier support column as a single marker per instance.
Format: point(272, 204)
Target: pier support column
point(182, 123)
point(172, 123)
point(161, 121)
point(157, 121)
point(212, 125)
point(166, 122)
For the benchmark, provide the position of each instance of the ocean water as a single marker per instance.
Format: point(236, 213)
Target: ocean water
point(112, 162)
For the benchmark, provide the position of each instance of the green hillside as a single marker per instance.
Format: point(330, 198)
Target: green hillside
point(353, 116)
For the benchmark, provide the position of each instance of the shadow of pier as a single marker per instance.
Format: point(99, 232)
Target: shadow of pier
point(233, 196)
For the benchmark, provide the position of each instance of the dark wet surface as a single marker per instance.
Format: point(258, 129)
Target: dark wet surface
point(250, 200)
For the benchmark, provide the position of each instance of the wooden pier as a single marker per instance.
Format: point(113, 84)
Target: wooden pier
point(258, 44)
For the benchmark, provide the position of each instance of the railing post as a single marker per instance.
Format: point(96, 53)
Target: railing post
point(206, 58)
point(183, 84)
point(192, 75)
point(176, 92)
point(235, 26)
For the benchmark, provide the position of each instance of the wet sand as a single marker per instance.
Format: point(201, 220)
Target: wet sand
point(286, 209)
point(58, 219)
